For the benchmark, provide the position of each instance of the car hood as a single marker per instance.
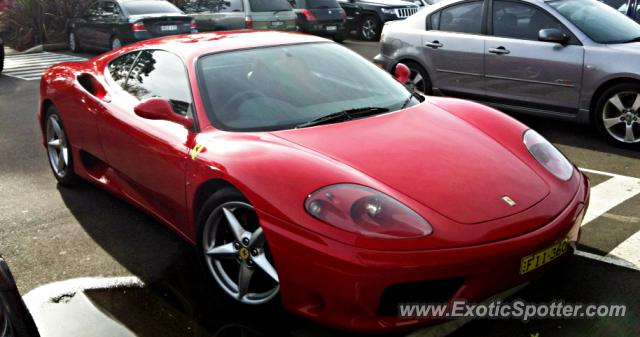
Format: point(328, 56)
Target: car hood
point(433, 157)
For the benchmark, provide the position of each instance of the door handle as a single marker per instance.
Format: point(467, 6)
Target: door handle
point(435, 44)
point(499, 51)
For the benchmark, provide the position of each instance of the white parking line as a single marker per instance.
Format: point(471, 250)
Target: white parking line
point(609, 194)
point(629, 250)
point(31, 66)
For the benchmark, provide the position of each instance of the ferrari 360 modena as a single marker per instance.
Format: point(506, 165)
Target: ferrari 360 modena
point(301, 172)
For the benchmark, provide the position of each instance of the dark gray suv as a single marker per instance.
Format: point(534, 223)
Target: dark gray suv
point(571, 59)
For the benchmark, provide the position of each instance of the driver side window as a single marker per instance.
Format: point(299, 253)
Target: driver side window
point(94, 11)
point(158, 73)
point(519, 21)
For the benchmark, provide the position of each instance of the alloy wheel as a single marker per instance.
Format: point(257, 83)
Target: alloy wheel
point(416, 82)
point(238, 255)
point(620, 116)
point(369, 29)
point(72, 41)
point(115, 43)
point(57, 147)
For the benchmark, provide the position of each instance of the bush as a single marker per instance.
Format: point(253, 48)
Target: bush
point(27, 23)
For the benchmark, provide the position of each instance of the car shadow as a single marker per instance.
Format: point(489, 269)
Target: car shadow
point(176, 286)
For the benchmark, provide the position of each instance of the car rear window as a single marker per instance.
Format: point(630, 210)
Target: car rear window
point(322, 4)
point(150, 7)
point(269, 5)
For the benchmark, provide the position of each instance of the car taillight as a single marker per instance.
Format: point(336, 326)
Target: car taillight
point(308, 14)
point(344, 15)
point(248, 22)
point(193, 23)
point(138, 26)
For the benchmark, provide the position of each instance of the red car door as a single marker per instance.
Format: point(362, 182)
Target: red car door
point(150, 156)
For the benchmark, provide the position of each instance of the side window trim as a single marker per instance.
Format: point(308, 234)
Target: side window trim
point(573, 40)
point(483, 17)
point(111, 81)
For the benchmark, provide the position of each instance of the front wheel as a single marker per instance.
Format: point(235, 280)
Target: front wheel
point(234, 250)
point(617, 115)
point(370, 28)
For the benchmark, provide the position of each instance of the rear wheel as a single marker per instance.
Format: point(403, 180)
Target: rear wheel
point(370, 28)
point(419, 79)
point(233, 249)
point(339, 37)
point(59, 149)
point(74, 43)
point(115, 43)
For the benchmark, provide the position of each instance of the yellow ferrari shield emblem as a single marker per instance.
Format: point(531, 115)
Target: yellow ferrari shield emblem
point(509, 201)
point(196, 150)
point(244, 253)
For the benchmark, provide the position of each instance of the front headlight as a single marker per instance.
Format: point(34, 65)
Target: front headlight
point(367, 212)
point(547, 155)
point(388, 10)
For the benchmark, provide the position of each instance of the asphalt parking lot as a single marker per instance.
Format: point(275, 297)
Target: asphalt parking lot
point(50, 233)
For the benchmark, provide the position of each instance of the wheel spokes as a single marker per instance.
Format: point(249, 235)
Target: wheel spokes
point(615, 100)
point(56, 127)
point(60, 163)
point(628, 135)
point(244, 278)
point(636, 103)
point(257, 239)
point(263, 263)
point(610, 122)
point(417, 79)
point(235, 225)
point(227, 251)
point(54, 143)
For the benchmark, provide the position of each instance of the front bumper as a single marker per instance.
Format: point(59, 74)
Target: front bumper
point(341, 286)
point(383, 62)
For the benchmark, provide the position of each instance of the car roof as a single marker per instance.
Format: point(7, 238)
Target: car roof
point(194, 45)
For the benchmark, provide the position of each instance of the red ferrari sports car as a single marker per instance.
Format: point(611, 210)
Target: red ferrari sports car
point(298, 168)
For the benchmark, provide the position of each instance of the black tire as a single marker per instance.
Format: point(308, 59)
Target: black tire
point(370, 28)
point(619, 121)
point(339, 37)
point(67, 176)
point(1, 58)
point(74, 42)
point(426, 86)
point(208, 215)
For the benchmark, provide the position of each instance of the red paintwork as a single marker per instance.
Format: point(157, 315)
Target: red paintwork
point(160, 109)
point(449, 160)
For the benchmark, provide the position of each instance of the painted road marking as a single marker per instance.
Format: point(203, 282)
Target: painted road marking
point(609, 194)
point(604, 197)
point(30, 67)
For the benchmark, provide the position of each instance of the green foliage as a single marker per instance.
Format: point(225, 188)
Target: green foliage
point(27, 23)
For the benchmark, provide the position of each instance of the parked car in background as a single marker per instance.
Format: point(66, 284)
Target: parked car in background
point(15, 319)
point(572, 59)
point(368, 16)
point(321, 17)
point(218, 15)
point(111, 24)
point(629, 8)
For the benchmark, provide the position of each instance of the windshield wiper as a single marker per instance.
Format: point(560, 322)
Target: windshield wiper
point(635, 39)
point(280, 10)
point(344, 115)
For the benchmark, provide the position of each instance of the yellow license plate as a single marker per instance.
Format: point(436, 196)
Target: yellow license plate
point(542, 257)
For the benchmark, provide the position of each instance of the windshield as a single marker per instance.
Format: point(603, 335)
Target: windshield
point(598, 21)
point(278, 88)
point(150, 7)
point(269, 5)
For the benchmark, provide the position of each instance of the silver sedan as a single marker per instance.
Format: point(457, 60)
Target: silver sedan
point(570, 59)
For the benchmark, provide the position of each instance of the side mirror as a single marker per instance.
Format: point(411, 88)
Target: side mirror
point(552, 35)
point(402, 73)
point(156, 108)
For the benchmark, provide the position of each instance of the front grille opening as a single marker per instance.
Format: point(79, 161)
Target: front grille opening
point(432, 291)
